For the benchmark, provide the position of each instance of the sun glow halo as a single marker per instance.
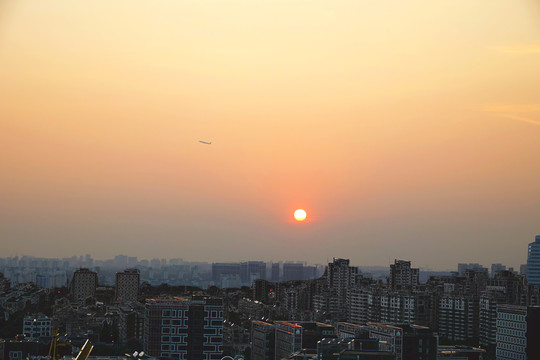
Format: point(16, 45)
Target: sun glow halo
point(300, 215)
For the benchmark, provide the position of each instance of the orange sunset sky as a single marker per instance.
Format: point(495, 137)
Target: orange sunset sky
point(406, 129)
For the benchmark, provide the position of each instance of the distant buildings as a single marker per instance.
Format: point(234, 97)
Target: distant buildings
point(127, 285)
point(293, 271)
point(496, 268)
point(184, 329)
point(5, 284)
point(84, 284)
point(240, 274)
point(252, 270)
point(274, 275)
point(533, 262)
point(462, 268)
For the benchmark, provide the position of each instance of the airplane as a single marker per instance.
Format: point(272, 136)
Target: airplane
point(205, 142)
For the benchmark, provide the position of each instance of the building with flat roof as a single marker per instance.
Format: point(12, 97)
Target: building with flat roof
point(84, 284)
point(35, 327)
point(127, 285)
point(460, 352)
point(533, 262)
point(184, 329)
point(293, 336)
point(263, 340)
point(518, 332)
point(403, 276)
point(408, 342)
point(293, 271)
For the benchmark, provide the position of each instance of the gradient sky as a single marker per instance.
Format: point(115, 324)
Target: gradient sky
point(406, 129)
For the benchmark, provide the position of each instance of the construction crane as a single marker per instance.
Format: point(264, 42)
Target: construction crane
point(54, 343)
point(83, 353)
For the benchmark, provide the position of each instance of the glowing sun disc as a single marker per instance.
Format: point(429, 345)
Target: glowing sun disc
point(300, 215)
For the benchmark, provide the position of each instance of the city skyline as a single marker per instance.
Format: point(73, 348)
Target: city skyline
point(123, 261)
point(406, 130)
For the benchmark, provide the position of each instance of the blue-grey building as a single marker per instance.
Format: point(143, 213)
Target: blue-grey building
point(533, 262)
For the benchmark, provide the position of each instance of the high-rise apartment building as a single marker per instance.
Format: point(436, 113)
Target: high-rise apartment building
point(402, 276)
point(340, 279)
point(533, 262)
point(518, 332)
point(489, 301)
point(358, 305)
point(127, 285)
point(83, 284)
point(184, 329)
point(458, 318)
point(404, 307)
point(263, 341)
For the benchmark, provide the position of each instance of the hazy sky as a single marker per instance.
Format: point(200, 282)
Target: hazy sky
point(406, 129)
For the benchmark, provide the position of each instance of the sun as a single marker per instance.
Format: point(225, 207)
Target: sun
point(300, 214)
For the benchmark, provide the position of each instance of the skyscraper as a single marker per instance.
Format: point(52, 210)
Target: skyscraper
point(533, 262)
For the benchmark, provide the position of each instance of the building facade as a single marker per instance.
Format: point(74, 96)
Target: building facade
point(127, 285)
point(184, 329)
point(533, 262)
point(38, 326)
point(402, 276)
point(263, 341)
point(518, 332)
point(84, 284)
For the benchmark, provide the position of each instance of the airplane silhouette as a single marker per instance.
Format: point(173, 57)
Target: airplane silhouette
point(205, 142)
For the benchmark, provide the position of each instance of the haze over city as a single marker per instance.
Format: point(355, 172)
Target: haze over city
point(405, 129)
